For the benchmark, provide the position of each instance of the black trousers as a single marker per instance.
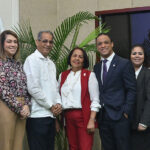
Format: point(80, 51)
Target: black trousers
point(115, 135)
point(41, 133)
point(140, 139)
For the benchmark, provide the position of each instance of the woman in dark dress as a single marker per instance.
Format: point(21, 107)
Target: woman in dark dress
point(141, 122)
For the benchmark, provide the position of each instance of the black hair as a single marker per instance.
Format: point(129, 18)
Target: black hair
point(106, 35)
point(86, 60)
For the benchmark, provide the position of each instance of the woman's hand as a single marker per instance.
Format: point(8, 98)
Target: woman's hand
point(25, 112)
point(141, 128)
point(91, 125)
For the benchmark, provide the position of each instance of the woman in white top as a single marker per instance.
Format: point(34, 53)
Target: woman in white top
point(141, 120)
point(80, 100)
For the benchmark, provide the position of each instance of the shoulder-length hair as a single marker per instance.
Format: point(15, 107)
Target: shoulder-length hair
point(86, 60)
point(3, 36)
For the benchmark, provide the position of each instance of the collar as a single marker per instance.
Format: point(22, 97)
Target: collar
point(38, 54)
point(8, 59)
point(138, 71)
point(77, 72)
point(109, 58)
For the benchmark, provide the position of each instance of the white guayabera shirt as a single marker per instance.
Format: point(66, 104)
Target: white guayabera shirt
point(42, 84)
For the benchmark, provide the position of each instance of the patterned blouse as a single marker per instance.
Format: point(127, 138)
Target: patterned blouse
point(13, 84)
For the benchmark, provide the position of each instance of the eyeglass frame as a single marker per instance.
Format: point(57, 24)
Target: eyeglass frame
point(47, 41)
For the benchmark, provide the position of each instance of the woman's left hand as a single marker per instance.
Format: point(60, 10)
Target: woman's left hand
point(25, 112)
point(141, 128)
point(91, 126)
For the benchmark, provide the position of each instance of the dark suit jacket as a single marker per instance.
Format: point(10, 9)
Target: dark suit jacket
point(142, 104)
point(117, 94)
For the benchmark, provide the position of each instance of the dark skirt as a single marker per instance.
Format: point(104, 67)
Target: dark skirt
point(140, 139)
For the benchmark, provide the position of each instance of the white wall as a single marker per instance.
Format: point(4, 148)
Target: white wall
point(9, 13)
point(1, 25)
point(41, 13)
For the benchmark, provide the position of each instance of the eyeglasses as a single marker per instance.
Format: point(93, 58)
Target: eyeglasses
point(47, 41)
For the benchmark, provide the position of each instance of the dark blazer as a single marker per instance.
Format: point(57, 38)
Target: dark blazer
point(142, 104)
point(117, 94)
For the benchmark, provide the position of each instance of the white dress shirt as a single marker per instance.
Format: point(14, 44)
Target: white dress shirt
point(42, 84)
point(138, 71)
point(109, 60)
point(71, 91)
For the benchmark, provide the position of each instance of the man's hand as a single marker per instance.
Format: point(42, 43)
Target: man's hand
point(56, 109)
point(125, 115)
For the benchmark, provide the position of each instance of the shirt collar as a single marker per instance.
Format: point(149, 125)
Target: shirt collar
point(77, 72)
point(109, 58)
point(138, 71)
point(38, 54)
point(10, 59)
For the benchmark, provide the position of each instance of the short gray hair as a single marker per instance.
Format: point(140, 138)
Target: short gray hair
point(41, 32)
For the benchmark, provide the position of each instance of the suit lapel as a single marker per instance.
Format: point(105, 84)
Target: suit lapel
point(141, 87)
point(140, 77)
point(99, 76)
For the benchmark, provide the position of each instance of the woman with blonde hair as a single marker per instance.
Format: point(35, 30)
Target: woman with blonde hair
point(14, 98)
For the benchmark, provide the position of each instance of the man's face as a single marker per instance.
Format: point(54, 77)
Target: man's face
point(45, 44)
point(104, 46)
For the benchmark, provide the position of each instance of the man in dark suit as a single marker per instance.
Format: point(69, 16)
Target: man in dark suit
point(117, 85)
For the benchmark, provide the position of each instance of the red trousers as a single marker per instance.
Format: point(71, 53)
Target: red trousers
point(77, 135)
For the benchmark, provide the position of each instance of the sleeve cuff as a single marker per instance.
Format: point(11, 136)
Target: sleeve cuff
point(96, 109)
point(143, 125)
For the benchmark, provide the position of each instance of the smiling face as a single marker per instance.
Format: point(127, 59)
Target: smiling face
point(45, 44)
point(104, 46)
point(137, 56)
point(77, 60)
point(10, 46)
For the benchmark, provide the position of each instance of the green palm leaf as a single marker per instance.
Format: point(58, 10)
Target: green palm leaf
point(94, 34)
point(75, 36)
point(67, 26)
point(26, 39)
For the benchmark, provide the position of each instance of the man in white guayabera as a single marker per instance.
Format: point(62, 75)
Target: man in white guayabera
point(43, 88)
